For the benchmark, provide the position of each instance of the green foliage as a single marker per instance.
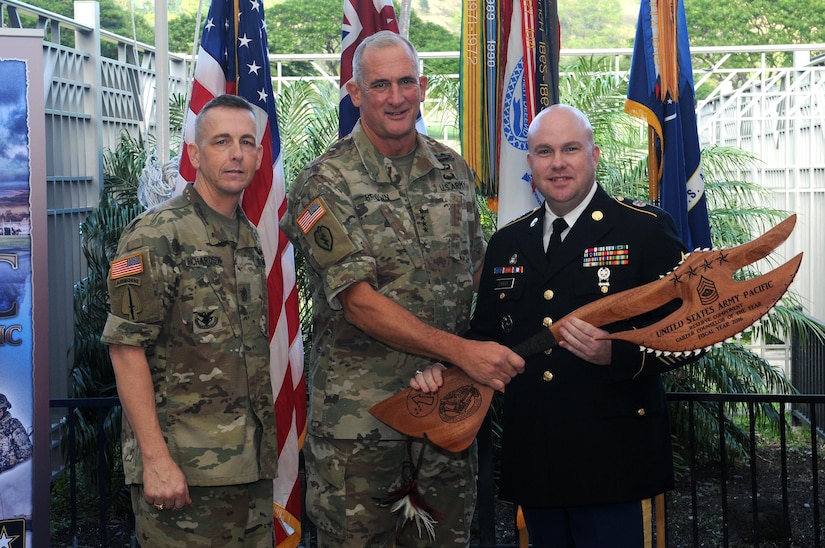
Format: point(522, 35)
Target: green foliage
point(292, 28)
point(590, 86)
point(595, 23)
point(428, 36)
point(181, 32)
point(744, 22)
point(730, 369)
point(308, 123)
point(753, 22)
point(442, 91)
point(60, 510)
point(63, 7)
point(91, 372)
point(116, 16)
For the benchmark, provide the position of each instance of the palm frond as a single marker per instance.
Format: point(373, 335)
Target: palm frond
point(308, 123)
point(91, 371)
point(589, 86)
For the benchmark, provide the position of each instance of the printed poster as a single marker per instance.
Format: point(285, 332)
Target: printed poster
point(17, 379)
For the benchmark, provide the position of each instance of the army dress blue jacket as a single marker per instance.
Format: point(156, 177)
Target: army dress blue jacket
point(576, 433)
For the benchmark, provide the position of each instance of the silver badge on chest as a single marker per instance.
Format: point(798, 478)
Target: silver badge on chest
point(506, 323)
point(604, 279)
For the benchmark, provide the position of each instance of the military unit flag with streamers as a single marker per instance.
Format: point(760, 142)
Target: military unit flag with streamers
point(509, 72)
point(660, 92)
point(234, 58)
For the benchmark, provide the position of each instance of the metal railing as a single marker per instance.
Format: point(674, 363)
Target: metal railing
point(783, 404)
point(66, 449)
point(808, 373)
point(741, 407)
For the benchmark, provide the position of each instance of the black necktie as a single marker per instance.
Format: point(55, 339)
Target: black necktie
point(555, 237)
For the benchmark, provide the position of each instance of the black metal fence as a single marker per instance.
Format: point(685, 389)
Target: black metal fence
point(808, 372)
point(719, 504)
point(804, 441)
point(68, 449)
point(789, 512)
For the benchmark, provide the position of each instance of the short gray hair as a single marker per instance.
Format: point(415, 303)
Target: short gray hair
point(381, 39)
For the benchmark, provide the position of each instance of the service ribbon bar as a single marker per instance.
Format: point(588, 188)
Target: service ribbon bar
point(608, 255)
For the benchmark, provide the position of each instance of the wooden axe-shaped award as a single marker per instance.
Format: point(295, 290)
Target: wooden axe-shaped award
point(714, 308)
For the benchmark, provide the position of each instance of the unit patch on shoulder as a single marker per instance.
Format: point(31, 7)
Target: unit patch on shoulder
point(311, 215)
point(133, 291)
point(327, 239)
point(127, 266)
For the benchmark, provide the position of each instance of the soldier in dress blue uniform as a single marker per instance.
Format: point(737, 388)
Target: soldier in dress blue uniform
point(586, 438)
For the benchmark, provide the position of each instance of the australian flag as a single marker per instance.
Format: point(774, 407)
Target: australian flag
point(660, 92)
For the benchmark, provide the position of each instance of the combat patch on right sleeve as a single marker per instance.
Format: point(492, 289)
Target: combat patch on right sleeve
point(324, 233)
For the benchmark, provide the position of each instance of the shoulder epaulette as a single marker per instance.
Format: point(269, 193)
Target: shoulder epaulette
point(528, 214)
point(638, 205)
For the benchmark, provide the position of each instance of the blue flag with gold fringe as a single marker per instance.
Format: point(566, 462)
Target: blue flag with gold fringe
point(660, 92)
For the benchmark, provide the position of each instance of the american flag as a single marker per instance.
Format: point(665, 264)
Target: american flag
point(127, 266)
point(362, 18)
point(314, 212)
point(234, 58)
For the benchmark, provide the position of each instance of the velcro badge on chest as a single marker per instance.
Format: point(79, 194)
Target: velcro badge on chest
point(325, 234)
point(504, 283)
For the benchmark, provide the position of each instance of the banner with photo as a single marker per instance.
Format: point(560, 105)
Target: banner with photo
point(21, 109)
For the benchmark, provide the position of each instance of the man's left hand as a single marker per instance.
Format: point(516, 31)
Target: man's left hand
point(583, 340)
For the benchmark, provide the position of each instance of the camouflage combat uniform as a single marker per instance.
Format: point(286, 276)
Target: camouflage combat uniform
point(189, 285)
point(15, 445)
point(414, 235)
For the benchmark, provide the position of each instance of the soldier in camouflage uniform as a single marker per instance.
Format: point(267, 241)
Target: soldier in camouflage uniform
point(15, 445)
point(387, 221)
point(188, 340)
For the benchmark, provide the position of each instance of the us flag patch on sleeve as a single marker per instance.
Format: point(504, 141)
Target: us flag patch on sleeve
point(127, 266)
point(311, 214)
